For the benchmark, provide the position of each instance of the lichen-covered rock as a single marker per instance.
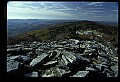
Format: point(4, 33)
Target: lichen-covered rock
point(81, 74)
point(12, 65)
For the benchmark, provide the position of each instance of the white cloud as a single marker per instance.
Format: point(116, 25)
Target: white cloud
point(79, 8)
point(24, 8)
point(95, 11)
point(103, 16)
point(89, 13)
point(94, 3)
point(40, 11)
point(46, 9)
point(56, 7)
point(14, 3)
point(96, 8)
point(97, 16)
point(115, 10)
point(98, 5)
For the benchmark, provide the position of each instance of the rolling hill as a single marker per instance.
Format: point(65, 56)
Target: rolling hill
point(19, 26)
point(68, 30)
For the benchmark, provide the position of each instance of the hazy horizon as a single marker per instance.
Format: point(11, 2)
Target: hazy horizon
point(61, 19)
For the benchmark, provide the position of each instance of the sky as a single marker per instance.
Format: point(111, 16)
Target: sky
point(94, 11)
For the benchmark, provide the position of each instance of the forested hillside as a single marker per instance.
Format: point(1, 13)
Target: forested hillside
point(68, 30)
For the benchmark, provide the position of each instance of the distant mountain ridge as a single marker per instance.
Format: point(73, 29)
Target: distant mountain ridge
point(19, 26)
point(108, 23)
point(66, 30)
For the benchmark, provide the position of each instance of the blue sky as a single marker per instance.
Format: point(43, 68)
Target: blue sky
point(95, 11)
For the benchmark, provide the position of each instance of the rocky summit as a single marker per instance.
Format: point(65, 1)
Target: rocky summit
point(65, 58)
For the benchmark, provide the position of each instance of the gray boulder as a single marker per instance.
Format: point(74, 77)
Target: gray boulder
point(32, 74)
point(12, 65)
point(81, 74)
point(38, 59)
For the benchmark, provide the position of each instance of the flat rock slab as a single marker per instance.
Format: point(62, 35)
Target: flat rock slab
point(38, 59)
point(81, 74)
point(12, 65)
point(50, 62)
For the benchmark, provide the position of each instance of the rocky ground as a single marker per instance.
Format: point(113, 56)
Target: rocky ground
point(68, 58)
